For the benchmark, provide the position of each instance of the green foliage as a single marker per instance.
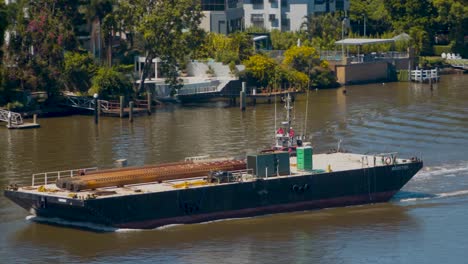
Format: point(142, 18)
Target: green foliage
point(226, 49)
point(78, 71)
point(300, 68)
point(261, 70)
point(170, 31)
point(14, 106)
point(110, 83)
point(307, 60)
point(283, 40)
point(3, 25)
point(375, 13)
point(420, 40)
point(439, 49)
point(322, 30)
point(453, 15)
point(38, 46)
point(432, 62)
point(410, 13)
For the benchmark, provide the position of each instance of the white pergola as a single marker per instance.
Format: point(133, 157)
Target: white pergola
point(361, 41)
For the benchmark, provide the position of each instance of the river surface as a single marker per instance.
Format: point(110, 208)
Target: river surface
point(426, 222)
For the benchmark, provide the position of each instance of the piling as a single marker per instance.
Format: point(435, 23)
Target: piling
point(9, 119)
point(242, 98)
point(96, 110)
point(148, 98)
point(35, 118)
point(130, 113)
point(99, 108)
point(121, 105)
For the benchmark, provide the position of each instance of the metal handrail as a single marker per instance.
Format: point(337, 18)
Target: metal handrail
point(6, 116)
point(55, 175)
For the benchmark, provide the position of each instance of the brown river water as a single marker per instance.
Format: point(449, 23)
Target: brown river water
point(424, 223)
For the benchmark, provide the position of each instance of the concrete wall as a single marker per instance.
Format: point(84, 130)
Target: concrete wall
point(221, 21)
point(297, 13)
point(362, 73)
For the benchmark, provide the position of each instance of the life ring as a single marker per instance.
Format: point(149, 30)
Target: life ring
point(388, 160)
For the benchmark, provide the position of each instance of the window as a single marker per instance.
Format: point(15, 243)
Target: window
point(339, 5)
point(213, 5)
point(257, 20)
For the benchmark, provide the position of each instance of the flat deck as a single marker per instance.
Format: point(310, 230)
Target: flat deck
point(321, 164)
point(25, 125)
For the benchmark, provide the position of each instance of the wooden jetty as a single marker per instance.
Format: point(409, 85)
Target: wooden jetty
point(112, 108)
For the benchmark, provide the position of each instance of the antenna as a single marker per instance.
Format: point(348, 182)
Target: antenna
point(275, 120)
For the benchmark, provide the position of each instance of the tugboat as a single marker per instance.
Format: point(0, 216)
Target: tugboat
point(200, 189)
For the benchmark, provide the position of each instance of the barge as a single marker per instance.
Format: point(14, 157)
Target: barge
point(338, 179)
point(287, 177)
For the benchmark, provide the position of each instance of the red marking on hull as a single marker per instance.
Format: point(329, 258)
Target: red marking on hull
point(248, 212)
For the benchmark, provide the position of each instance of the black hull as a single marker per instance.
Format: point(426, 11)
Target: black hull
point(193, 205)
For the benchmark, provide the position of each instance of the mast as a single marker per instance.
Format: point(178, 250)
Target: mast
point(288, 119)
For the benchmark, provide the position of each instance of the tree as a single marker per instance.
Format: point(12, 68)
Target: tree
point(375, 14)
point(452, 17)
point(406, 14)
point(307, 60)
point(78, 71)
point(110, 82)
point(283, 40)
point(261, 70)
point(322, 30)
point(170, 30)
point(42, 33)
point(3, 26)
point(98, 11)
point(226, 49)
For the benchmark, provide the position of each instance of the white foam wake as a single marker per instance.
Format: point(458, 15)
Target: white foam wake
point(84, 225)
point(460, 169)
point(435, 196)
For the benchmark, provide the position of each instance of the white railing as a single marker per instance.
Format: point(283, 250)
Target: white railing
point(80, 102)
point(104, 105)
point(45, 178)
point(15, 118)
point(422, 75)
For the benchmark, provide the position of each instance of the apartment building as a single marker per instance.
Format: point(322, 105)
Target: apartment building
point(222, 16)
point(287, 15)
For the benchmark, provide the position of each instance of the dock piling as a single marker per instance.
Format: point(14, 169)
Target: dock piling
point(148, 98)
point(35, 118)
point(130, 114)
point(9, 119)
point(99, 108)
point(121, 105)
point(96, 102)
point(242, 98)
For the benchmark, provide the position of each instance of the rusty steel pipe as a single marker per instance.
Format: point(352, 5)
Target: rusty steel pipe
point(160, 173)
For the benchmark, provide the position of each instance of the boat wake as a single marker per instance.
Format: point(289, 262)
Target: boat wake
point(415, 196)
point(453, 170)
point(76, 224)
